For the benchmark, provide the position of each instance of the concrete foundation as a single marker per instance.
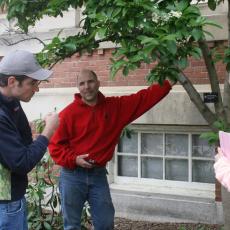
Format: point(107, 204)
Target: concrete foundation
point(166, 208)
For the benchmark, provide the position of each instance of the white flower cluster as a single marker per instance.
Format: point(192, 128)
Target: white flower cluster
point(164, 18)
point(175, 14)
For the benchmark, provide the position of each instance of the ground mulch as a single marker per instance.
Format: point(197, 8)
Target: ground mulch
point(125, 224)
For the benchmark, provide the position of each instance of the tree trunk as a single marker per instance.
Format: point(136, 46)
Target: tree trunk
point(213, 77)
point(195, 97)
point(226, 99)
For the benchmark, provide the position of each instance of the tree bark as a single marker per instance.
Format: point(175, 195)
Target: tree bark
point(213, 78)
point(226, 96)
point(195, 97)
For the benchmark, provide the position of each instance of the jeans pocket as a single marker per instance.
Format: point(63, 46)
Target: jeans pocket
point(14, 207)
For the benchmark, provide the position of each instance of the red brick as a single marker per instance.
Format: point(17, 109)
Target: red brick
point(65, 72)
point(100, 51)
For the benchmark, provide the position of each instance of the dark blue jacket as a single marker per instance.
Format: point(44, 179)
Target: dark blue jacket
point(18, 152)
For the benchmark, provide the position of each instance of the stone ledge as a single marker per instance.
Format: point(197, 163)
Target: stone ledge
point(166, 208)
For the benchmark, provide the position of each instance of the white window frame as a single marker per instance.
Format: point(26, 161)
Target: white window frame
point(157, 182)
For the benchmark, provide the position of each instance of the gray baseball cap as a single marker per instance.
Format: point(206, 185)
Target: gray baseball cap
point(21, 62)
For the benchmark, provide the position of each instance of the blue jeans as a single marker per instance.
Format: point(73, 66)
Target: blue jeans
point(13, 215)
point(80, 185)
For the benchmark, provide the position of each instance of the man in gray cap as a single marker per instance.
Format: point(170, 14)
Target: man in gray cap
point(20, 75)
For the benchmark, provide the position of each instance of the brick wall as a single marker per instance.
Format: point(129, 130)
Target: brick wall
point(65, 72)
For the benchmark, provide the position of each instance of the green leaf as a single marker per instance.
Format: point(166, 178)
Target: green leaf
point(212, 23)
point(145, 39)
point(125, 71)
point(227, 59)
point(131, 23)
point(39, 226)
point(172, 47)
point(182, 63)
point(197, 34)
point(47, 226)
point(228, 67)
point(227, 52)
point(127, 132)
point(182, 5)
point(116, 67)
point(208, 33)
point(216, 55)
point(219, 124)
point(196, 52)
point(135, 58)
point(148, 49)
point(191, 11)
point(116, 12)
point(170, 37)
point(102, 32)
point(124, 11)
point(211, 137)
point(70, 47)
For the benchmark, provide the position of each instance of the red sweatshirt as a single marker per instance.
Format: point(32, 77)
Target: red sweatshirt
point(95, 130)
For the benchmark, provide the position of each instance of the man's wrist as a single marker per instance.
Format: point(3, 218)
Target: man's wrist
point(47, 133)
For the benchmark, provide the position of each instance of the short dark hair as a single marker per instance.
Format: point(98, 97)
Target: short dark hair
point(4, 79)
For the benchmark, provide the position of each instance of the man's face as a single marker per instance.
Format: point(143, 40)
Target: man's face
point(25, 91)
point(88, 86)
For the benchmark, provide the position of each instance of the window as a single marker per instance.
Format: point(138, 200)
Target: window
point(166, 156)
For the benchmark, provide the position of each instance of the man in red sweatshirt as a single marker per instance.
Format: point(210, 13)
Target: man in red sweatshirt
point(84, 142)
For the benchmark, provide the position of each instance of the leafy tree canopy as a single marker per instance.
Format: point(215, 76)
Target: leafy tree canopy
point(144, 30)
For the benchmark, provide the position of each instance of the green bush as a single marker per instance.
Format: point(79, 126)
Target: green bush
point(43, 198)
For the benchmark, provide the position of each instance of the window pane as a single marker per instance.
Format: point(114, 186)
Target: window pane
point(152, 168)
point(176, 170)
point(128, 145)
point(176, 144)
point(152, 144)
point(127, 166)
point(202, 171)
point(201, 148)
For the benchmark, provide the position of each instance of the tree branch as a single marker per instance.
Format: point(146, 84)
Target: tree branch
point(219, 108)
point(22, 40)
point(97, 42)
point(195, 97)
